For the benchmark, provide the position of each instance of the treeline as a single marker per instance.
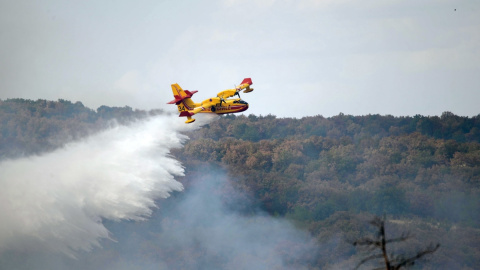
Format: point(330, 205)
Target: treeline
point(32, 127)
point(254, 128)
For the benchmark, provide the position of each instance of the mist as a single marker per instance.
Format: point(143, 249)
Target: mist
point(57, 201)
point(112, 201)
point(210, 225)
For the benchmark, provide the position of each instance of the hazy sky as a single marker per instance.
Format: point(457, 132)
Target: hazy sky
point(306, 57)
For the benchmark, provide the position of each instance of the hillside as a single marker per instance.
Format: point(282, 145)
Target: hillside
point(327, 175)
point(330, 174)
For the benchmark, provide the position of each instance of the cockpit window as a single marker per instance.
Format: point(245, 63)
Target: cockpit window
point(239, 102)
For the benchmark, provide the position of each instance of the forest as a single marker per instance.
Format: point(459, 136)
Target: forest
point(327, 175)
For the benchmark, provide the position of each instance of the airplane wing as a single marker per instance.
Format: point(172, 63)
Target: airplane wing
point(227, 93)
point(245, 84)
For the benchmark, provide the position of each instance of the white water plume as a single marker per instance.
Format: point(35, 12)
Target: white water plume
point(58, 200)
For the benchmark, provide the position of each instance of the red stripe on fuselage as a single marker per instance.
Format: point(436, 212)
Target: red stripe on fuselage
point(186, 106)
point(232, 109)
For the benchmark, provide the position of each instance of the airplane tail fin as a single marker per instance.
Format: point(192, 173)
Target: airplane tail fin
point(183, 98)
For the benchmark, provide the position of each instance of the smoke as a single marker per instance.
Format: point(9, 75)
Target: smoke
point(58, 200)
point(215, 226)
point(210, 225)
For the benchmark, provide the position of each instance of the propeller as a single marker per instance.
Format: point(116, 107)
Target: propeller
point(237, 91)
point(222, 100)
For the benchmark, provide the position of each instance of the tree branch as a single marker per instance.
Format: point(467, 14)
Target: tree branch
point(371, 257)
point(411, 261)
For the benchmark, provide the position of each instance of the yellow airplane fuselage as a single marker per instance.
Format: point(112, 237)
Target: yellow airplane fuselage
point(221, 107)
point(221, 104)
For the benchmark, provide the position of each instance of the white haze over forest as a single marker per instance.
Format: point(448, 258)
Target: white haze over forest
point(59, 199)
point(55, 208)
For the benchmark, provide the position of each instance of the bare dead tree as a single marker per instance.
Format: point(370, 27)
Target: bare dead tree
point(392, 262)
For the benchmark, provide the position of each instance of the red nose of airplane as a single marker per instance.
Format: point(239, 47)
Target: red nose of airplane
point(244, 108)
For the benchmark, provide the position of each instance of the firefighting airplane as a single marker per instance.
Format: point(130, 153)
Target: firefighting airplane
point(219, 105)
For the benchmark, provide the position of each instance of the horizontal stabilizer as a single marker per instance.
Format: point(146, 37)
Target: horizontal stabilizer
point(179, 99)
